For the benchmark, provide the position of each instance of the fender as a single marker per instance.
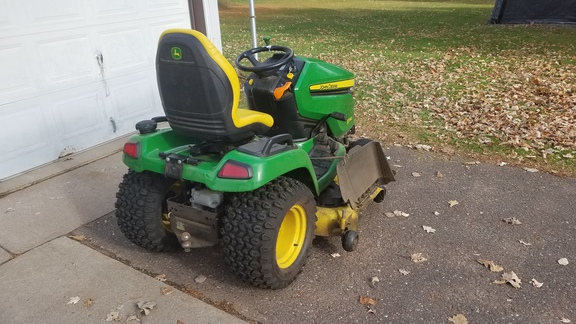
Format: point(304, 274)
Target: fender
point(263, 169)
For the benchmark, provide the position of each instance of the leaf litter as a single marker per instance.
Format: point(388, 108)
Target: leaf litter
point(418, 258)
point(535, 283)
point(161, 277)
point(458, 319)
point(145, 307)
point(73, 300)
point(511, 278)
point(428, 229)
point(490, 265)
point(512, 221)
point(404, 272)
point(524, 243)
point(563, 261)
point(365, 300)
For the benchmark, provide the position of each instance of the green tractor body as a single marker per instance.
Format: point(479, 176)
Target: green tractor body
point(261, 182)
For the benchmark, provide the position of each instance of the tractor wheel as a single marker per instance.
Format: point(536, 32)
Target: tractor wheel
point(142, 212)
point(267, 233)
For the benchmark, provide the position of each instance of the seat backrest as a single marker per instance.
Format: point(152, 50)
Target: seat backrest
point(199, 89)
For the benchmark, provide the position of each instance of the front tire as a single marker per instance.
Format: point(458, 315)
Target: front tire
point(267, 233)
point(141, 210)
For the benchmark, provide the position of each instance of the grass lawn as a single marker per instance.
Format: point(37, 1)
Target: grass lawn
point(433, 72)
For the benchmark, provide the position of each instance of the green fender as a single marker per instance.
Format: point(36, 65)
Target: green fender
point(295, 163)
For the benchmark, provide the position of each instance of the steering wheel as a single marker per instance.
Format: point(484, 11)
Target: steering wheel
point(264, 68)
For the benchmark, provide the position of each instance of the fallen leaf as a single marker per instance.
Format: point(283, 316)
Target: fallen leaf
point(113, 316)
point(565, 320)
point(146, 307)
point(423, 147)
point(447, 150)
point(535, 283)
point(335, 255)
point(132, 318)
point(438, 174)
point(404, 272)
point(78, 238)
point(161, 277)
point(512, 221)
point(367, 300)
point(563, 261)
point(428, 229)
point(490, 265)
point(417, 258)
point(166, 290)
point(415, 174)
point(524, 243)
point(200, 279)
point(453, 203)
point(530, 170)
point(389, 214)
point(512, 279)
point(499, 282)
point(88, 302)
point(179, 322)
point(73, 300)
point(458, 319)
point(401, 213)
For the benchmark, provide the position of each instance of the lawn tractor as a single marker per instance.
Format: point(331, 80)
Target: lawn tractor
point(260, 182)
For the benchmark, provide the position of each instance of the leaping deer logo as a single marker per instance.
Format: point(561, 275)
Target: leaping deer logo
point(176, 53)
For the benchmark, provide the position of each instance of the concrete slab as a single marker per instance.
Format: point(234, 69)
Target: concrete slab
point(36, 287)
point(4, 256)
point(61, 166)
point(52, 208)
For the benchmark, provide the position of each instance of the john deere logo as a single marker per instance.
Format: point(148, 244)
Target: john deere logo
point(176, 53)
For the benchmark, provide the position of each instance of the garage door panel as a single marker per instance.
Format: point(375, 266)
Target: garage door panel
point(80, 114)
point(67, 59)
point(172, 5)
point(7, 15)
point(13, 65)
point(14, 141)
point(133, 99)
point(123, 50)
point(55, 11)
point(108, 8)
point(158, 28)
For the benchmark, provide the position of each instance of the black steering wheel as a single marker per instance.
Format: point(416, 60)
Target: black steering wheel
point(264, 68)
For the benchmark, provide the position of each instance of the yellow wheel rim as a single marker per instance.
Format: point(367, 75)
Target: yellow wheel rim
point(291, 237)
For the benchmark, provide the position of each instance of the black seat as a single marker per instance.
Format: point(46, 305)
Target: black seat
point(200, 91)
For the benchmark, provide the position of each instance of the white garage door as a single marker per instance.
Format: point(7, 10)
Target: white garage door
point(76, 73)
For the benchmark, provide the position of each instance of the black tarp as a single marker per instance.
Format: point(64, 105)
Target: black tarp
point(534, 11)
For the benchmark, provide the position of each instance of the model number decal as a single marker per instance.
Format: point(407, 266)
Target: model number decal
point(332, 86)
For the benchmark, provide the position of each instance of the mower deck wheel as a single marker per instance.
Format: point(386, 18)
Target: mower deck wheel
point(350, 240)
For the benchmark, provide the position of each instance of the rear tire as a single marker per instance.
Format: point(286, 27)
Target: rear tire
point(267, 233)
point(141, 210)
